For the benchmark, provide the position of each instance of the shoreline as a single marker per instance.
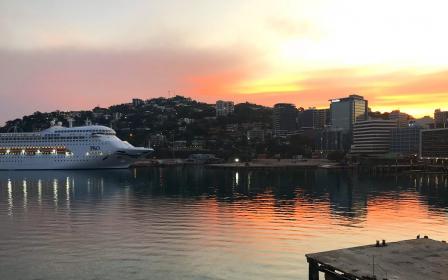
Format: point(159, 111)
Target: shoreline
point(276, 164)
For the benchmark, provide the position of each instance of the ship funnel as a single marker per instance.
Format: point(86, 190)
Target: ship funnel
point(70, 122)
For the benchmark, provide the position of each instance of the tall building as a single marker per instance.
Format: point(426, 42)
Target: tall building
point(345, 112)
point(434, 143)
point(372, 137)
point(440, 119)
point(284, 119)
point(224, 108)
point(314, 118)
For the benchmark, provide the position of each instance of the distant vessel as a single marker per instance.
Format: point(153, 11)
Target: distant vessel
point(58, 147)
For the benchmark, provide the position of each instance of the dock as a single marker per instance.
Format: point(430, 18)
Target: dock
point(415, 259)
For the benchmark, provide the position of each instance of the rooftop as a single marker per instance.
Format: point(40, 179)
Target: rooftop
point(409, 259)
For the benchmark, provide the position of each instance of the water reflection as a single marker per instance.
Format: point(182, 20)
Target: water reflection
point(198, 223)
point(25, 194)
point(345, 194)
point(10, 201)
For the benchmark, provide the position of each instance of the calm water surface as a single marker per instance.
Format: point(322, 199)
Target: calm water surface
point(198, 223)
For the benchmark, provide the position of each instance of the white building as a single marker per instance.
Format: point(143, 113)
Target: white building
point(372, 136)
point(224, 108)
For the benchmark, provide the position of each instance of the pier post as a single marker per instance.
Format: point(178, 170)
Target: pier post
point(330, 276)
point(313, 271)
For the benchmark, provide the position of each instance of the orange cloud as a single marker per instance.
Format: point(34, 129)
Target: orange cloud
point(415, 93)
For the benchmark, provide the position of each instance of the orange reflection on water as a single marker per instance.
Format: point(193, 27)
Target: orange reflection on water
point(391, 215)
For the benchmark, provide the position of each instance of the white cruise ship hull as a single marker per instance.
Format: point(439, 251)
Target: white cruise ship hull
point(61, 162)
point(93, 147)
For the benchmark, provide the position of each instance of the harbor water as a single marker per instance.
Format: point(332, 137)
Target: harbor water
point(199, 223)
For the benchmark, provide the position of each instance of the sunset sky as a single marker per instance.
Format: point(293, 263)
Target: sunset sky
point(70, 55)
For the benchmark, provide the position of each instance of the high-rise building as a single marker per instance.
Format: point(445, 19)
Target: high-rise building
point(440, 119)
point(345, 112)
point(434, 143)
point(372, 137)
point(314, 118)
point(284, 119)
point(224, 108)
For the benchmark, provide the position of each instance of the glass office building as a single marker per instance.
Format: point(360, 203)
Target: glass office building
point(347, 111)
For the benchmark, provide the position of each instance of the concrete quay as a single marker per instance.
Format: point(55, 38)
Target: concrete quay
point(282, 163)
point(415, 259)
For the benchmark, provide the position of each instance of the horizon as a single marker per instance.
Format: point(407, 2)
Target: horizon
point(71, 55)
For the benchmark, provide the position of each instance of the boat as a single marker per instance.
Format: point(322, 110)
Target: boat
point(59, 147)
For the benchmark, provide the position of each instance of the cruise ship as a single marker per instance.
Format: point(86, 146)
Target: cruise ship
point(58, 147)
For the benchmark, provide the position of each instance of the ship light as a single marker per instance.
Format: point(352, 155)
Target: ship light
point(23, 152)
point(38, 152)
point(8, 151)
point(53, 151)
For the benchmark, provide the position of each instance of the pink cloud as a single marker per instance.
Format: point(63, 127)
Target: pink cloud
point(76, 79)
